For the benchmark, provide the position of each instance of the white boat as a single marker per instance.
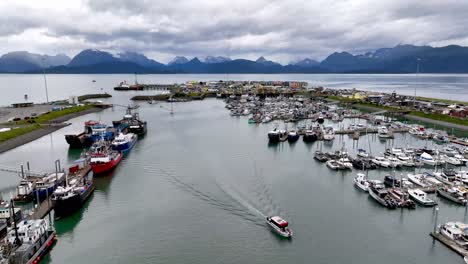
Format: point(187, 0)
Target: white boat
point(419, 180)
point(420, 197)
point(381, 161)
point(447, 176)
point(453, 161)
point(280, 226)
point(334, 165)
point(456, 232)
point(452, 194)
point(405, 160)
point(344, 162)
point(361, 182)
point(384, 133)
point(427, 159)
point(394, 162)
point(449, 151)
point(329, 133)
point(363, 153)
point(462, 176)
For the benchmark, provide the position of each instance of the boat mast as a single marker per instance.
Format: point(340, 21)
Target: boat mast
point(17, 240)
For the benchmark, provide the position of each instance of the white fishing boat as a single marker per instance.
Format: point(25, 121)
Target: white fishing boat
point(453, 161)
point(384, 133)
point(329, 133)
point(280, 226)
point(447, 176)
point(361, 182)
point(420, 197)
point(452, 194)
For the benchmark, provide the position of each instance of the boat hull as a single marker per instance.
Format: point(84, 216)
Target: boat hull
point(64, 207)
point(103, 168)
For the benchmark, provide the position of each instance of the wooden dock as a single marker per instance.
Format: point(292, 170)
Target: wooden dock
point(368, 131)
point(450, 244)
point(43, 209)
point(459, 142)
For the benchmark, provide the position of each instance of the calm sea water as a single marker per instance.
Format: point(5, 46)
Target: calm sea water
point(196, 189)
point(15, 86)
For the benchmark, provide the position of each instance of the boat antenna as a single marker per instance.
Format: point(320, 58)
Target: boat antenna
point(17, 240)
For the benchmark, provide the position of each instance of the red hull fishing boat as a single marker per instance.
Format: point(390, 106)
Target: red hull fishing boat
point(105, 162)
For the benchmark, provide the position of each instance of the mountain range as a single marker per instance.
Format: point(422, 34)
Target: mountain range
point(399, 59)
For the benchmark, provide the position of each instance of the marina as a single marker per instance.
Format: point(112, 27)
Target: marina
point(250, 180)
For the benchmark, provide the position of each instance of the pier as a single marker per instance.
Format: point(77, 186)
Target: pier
point(450, 244)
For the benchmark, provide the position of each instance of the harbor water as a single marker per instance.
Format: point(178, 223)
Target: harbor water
point(198, 186)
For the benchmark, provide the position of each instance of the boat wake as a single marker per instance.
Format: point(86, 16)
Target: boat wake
point(234, 207)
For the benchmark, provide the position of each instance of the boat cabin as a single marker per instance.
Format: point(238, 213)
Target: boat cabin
point(279, 222)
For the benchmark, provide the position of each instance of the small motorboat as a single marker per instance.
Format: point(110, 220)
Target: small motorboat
point(361, 182)
point(334, 165)
point(280, 226)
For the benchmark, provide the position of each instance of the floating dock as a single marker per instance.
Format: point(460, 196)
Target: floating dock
point(450, 244)
point(44, 208)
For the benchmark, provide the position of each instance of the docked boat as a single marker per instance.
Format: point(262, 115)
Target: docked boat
point(402, 198)
point(83, 139)
point(274, 136)
point(427, 159)
point(132, 122)
point(446, 176)
point(105, 162)
point(334, 165)
point(309, 136)
point(394, 162)
point(381, 161)
point(293, 136)
point(420, 197)
point(329, 133)
point(344, 162)
point(384, 133)
point(124, 142)
point(449, 151)
point(24, 191)
point(363, 164)
point(360, 181)
point(30, 242)
point(47, 185)
point(320, 156)
point(378, 192)
point(405, 160)
point(6, 212)
point(452, 194)
point(102, 132)
point(280, 226)
point(363, 153)
point(456, 232)
point(71, 197)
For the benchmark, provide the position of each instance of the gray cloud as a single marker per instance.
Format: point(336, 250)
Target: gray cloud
point(281, 30)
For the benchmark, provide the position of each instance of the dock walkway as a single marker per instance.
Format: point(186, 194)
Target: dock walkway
point(449, 243)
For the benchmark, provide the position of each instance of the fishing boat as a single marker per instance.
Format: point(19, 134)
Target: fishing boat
point(360, 181)
point(420, 197)
point(83, 139)
point(131, 120)
point(124, 142)
point(274, 136)
point(47, 185)
point(72, 196)
point(363, 164)
point(102, 132)
point(293, 136)
point(30, 241)
point(280, 226)
point(106, 161)
point(24, 191)
point(452, 194)
point(6, 212)
point(378, 192)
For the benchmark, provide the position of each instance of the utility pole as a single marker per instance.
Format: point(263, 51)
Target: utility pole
point(417, 78)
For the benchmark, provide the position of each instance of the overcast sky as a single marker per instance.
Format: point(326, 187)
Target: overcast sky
point(283, 30)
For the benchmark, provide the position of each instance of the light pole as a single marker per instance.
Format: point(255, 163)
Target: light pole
point(415, 86)
point(45, 80)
